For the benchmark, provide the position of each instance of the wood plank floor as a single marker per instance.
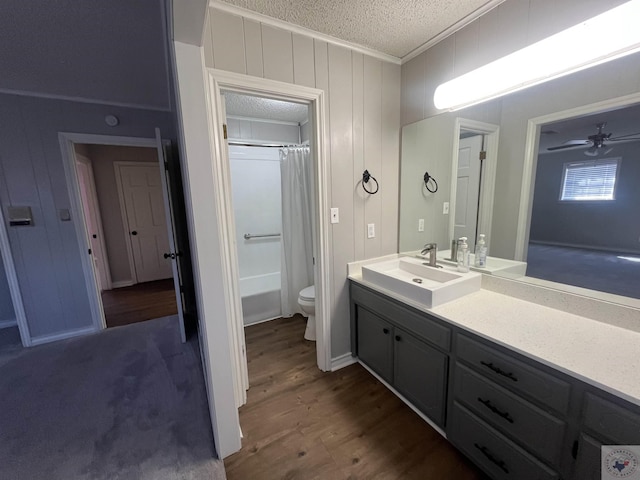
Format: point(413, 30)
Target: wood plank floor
point(300, 423)
point(140, 302)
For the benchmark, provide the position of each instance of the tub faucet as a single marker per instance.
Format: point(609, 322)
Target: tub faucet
point(432, 250)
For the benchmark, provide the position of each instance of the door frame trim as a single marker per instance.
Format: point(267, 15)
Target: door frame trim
point(218, 80)
point(488, 173)
point(67, 141)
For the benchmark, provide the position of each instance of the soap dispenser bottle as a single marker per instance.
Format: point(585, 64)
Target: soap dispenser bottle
point(481, 252)
point(463, 255)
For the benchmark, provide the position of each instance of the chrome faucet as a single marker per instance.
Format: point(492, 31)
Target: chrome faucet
point(432, 250)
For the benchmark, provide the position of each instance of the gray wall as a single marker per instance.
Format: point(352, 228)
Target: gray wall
point(363, 123)
point(102, 160)
point(47, 255)
point(6, 304)
point(610, 225)
point(513, 25)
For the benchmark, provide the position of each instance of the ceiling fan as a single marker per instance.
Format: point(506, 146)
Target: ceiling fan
point(598, 141)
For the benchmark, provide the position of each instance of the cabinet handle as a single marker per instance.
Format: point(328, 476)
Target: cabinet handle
point(574, 450)
point(487, 453)
point(496, 410)
point(385, 331)
point(398, 338)
point(499, 371)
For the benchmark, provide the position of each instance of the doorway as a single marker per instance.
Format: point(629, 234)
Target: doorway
point(473, 175)
point(120, 196)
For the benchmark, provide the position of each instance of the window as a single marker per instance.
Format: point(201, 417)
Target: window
point(590, 180)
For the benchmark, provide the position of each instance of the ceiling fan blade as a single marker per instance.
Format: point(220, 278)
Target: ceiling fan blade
point(622, 139)
point(626, 137)
point(571, 144)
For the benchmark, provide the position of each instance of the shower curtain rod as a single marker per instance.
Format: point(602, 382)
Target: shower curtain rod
point(267, 145)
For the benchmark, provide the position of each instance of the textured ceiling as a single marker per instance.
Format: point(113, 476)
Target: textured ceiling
point(111, 51)
point(393, 27)
point(265, 108)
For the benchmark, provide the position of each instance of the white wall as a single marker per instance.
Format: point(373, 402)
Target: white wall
point(363, 111)
point(47, 254)
point(257, 206)
point(509, 27)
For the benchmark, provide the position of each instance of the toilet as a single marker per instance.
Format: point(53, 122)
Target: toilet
point(307, 302)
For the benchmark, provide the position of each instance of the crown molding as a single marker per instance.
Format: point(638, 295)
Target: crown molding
point(274, 22)
point(459, 25)
point(67, 98)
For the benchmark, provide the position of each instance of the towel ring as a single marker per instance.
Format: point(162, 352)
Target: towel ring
point(429, 179)
point(365, 179)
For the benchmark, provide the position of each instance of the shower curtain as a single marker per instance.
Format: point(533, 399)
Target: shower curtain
point(297, 225)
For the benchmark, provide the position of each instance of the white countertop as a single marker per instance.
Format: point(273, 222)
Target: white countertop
point(601, 354)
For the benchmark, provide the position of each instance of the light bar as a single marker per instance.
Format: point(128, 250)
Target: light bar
point(608, 36)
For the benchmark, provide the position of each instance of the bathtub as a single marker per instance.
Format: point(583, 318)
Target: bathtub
point(260, 298)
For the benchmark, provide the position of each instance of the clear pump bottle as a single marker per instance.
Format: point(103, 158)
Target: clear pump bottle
point(463, 255)
point(481, 252)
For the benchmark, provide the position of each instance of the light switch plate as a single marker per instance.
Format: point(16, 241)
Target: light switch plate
point(421, 225)
point(445, 208)
point(371, 230)
point(335, 215)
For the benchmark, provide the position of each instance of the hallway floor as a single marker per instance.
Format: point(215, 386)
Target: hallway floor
point(593, 269)
point(140, 302)
point(301, 423)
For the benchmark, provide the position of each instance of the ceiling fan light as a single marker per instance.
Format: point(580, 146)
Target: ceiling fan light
point(605, 37)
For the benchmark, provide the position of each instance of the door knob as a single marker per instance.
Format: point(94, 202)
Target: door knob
point(134, 232)
point(169, 255)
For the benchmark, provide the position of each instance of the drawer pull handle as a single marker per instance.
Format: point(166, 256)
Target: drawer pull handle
point(499, 371)
point(385, 331)
point(496, 410)
point(398, 338)
point(487, 453)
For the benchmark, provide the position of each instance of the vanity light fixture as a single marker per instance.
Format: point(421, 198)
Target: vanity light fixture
point(610, 35)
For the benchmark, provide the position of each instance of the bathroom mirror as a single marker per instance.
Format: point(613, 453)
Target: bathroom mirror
point(521, 117)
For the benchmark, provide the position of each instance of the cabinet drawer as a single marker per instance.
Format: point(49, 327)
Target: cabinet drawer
point(612, 421)
point(589, 460)
point(416, 322)
point(538, 431)
point(493, 452)
point(514, 374)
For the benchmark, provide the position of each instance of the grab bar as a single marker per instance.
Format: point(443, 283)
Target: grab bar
point(248, 236)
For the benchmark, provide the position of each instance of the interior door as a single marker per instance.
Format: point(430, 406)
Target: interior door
point(468, 189)
point(172, 255)
point(142, 189)
point(91, 214)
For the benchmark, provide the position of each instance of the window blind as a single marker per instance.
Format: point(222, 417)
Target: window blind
point(590, 180)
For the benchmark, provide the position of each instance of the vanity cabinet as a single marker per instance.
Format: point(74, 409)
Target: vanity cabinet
point(404, 353)
point(603, 422)
point(514, 417)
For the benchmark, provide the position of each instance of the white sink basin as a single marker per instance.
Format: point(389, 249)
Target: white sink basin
point(414, 279)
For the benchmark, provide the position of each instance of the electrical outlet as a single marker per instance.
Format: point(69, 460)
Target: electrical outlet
point(445, 208)
point(371, 230)
point(421, 225)
point(335, 215)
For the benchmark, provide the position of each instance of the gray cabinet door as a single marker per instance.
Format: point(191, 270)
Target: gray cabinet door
point(375, 343)
point(420, 373)
point(588, 462)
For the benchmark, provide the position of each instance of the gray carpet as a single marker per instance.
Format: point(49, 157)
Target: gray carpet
point(593, 269)
point(126, 403)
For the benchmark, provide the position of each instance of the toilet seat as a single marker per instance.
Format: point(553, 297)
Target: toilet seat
point(308, 294)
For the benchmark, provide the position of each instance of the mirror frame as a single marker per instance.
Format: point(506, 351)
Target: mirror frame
point(531, 160)
point(488, 180)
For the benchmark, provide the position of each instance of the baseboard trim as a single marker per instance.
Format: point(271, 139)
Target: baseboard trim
point(54, 337)
point(342, 361)
point(122, 283)
point(8, 323)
